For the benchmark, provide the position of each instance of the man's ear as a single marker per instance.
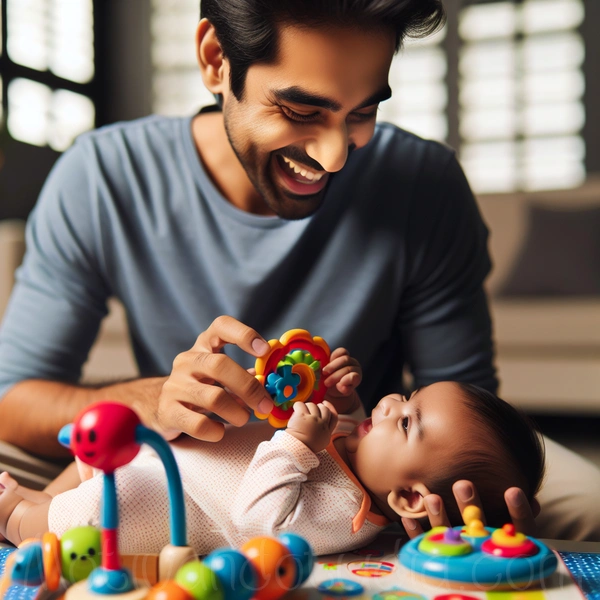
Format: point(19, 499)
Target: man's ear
point(409, 502)
point(210, 58)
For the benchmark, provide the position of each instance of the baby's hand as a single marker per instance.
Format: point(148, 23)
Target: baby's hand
point(313, 424)
point(343, 375)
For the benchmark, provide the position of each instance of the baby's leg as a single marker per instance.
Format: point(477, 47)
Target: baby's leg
point(21, 518)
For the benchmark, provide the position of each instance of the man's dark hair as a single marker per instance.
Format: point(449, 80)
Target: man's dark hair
point(515, 457)
point(247, 29)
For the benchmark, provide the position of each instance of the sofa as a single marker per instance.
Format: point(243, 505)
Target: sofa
point(546, 318)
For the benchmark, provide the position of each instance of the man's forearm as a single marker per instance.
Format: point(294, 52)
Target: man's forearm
point(33, 411)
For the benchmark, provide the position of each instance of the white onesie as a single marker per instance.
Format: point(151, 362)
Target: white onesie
point(251, 483)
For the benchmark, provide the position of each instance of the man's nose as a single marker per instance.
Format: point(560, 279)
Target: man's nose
point(330, 147)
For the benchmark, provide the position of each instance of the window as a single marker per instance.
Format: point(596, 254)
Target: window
point(46, 69)
point(177, 87)
point(521, 85)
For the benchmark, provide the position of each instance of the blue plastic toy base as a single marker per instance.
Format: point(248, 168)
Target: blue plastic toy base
point(479, 568)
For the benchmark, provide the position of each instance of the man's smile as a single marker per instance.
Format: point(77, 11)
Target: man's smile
point(299, 179)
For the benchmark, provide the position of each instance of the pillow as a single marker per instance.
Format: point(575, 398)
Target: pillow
point(560, 256)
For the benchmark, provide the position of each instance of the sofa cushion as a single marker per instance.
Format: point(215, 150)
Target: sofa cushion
point(560, 255)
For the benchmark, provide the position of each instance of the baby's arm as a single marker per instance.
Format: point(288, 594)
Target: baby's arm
point(23, 512)
point(276, 495)
point(343, 375)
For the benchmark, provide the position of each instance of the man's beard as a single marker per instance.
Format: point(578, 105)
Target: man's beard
point(283, 203)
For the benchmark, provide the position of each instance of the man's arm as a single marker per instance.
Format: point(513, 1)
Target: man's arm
point(33, 411)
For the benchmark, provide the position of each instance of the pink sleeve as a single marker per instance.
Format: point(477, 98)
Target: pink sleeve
point(276, 495)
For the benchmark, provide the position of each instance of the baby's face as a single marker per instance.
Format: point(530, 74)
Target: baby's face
point(407, 440)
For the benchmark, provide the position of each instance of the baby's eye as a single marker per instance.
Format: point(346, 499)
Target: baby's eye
point(405, 423)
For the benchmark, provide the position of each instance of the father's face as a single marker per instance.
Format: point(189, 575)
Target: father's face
point(301, 116)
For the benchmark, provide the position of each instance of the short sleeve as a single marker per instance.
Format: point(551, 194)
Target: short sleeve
point(444, 317)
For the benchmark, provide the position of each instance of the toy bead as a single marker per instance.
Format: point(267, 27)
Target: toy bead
point(51, 560)
point(200, 581)
point(80, 552)
point(274, 565)
point(303, 556)
point(168, 590)
point(28, 565)
point(475, 528)
point(103, 435)
point(471, 513)
point(235, 572)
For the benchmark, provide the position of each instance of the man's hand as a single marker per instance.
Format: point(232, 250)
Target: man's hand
point(521, 513)
point(343, 375)
point(313, 424)
point(204, 380)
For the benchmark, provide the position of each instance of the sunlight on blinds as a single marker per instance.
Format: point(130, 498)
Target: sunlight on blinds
point(419, 95)
point(54, 35)
point(39, 116)
point(521, 95)
point(177, 85)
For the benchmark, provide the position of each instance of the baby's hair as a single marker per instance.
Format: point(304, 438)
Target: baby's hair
point(515, 457)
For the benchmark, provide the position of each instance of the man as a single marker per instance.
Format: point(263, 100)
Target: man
point(287, 208)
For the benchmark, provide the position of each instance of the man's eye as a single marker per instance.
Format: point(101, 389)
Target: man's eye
point(364, 116)
point(405, 423)
point(294, 116)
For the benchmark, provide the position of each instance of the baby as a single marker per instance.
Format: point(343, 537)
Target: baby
point(327, 478)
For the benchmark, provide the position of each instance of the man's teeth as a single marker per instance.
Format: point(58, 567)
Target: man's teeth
point(310, 175)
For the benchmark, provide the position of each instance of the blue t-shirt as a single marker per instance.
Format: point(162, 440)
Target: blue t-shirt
point(390, 267)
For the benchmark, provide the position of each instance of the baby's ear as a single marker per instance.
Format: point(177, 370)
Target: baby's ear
point(409, 502)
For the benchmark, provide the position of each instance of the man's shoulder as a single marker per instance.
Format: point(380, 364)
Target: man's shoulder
point(136, 131)
point(392, 141)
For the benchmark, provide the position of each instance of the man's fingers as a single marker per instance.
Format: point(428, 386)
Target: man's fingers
point(412, 527)
point(206, 367)
point(227, 330)
point(436, 510)
point(194, 424)
point(520, 511)
point(465, 495)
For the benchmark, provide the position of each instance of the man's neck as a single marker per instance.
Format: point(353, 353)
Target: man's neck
point(222, 165)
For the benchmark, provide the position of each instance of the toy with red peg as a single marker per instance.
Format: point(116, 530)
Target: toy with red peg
point(291, 372)
point(478, 557)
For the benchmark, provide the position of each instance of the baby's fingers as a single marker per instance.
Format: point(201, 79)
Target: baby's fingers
point(328, 411)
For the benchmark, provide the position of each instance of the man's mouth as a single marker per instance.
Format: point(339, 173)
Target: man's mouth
point(298, 178)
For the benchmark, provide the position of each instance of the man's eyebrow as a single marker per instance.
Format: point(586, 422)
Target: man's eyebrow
point(420, 429)
point(297, 95)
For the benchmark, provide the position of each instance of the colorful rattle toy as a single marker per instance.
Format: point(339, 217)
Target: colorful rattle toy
point(108, 435)
point(291, 372)
point(477, 557)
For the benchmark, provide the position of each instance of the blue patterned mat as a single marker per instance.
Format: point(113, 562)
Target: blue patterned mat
point(15, 592)
point(585, 568)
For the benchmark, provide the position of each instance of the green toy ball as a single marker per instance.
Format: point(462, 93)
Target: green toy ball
point(80, 552)
point(200, 581)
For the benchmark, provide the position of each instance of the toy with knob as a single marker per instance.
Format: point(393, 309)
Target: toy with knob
point(478, 557)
